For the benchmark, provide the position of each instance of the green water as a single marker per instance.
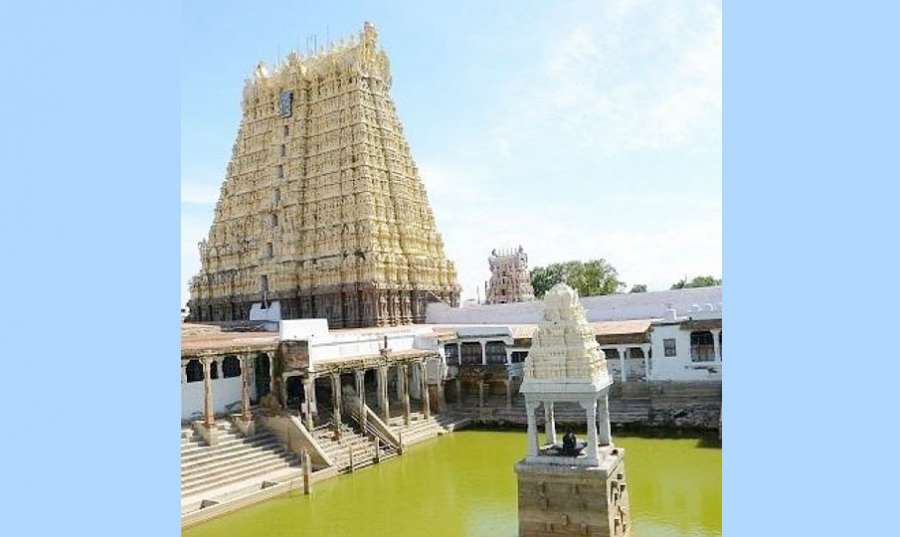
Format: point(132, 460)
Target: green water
point(463, 484)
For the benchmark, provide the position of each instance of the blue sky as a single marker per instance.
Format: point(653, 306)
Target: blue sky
point(577, 129)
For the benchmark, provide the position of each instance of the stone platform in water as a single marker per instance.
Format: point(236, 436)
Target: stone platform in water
point(556, 499)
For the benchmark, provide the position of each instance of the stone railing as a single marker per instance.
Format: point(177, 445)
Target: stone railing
point(290, 431)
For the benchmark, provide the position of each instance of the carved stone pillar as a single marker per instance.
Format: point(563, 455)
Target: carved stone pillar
point(307, 397)
point(361, 395)
point(405, 377)
point(208, 409)
point(605, 434)
point(384, 405)
point(441, 398)
point(458, 385)
point(646, 350)
point(592, 450)
point(530, 409)
point(716, 346)
point(480, 394)
point(623, 366)
point(270, 358)
point(508, 394)
point(246, 361)
point(336, 403)
point(426, 400)
point(549, 423)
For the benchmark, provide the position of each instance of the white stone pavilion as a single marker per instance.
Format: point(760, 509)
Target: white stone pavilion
point(565, 364)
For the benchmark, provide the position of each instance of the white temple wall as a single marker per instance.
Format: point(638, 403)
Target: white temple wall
point(191, 400)
point(225, 392)
point(679, 367)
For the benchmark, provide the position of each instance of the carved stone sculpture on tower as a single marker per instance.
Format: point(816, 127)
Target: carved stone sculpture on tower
point(322, 207)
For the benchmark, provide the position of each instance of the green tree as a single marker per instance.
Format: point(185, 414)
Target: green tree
point(594, 277)
point(638, 288)
point(699, 281)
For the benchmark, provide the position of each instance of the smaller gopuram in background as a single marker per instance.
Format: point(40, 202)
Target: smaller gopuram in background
point(510, 281)
point(569, 487)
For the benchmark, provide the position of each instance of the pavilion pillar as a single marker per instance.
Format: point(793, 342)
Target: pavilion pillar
point(426, 399)
point(604, 432)
point(441, 398)
point(399, 370)
point(716, 346)
point(549, 423)
point(405, 382)
point(508, 394)
point(209, 416)
point(623, 373)
point(593, 451)
point(483, 353)
point(336, 403)
point(361, 395)
point(384, 405)
point(246, 361)
point(307, 398)
point(271, 362)
point(530, 409)
point(480, 394)
point(457, 383)
point(646, 350)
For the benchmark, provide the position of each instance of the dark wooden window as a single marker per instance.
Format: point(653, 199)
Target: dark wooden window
point(451, 353)
point(194, 371)
point(669, 347)
point(231, 367)
point(519, 356)
point(471, 353)
point(495, 351)
point(702, 347)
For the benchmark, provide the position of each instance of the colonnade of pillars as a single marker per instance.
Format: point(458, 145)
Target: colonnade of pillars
point(246, 362)
point(623, 354)
point(381, 393)
point(482, 389)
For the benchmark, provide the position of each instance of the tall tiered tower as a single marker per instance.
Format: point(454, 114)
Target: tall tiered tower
point(510, 281)
point(322, 212)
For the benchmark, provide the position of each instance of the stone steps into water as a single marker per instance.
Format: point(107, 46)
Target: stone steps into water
point(234, 460)
point(363, 447)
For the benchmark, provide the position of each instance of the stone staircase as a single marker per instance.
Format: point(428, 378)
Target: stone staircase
point(622, 411)
point(235, 463)
point(420, 428)
point(363, 447)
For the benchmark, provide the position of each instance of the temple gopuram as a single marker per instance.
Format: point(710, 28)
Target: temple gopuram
point(322, 213)
point(510, 280)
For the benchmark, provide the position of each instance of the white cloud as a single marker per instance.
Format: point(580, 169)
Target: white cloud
point(625, 76)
